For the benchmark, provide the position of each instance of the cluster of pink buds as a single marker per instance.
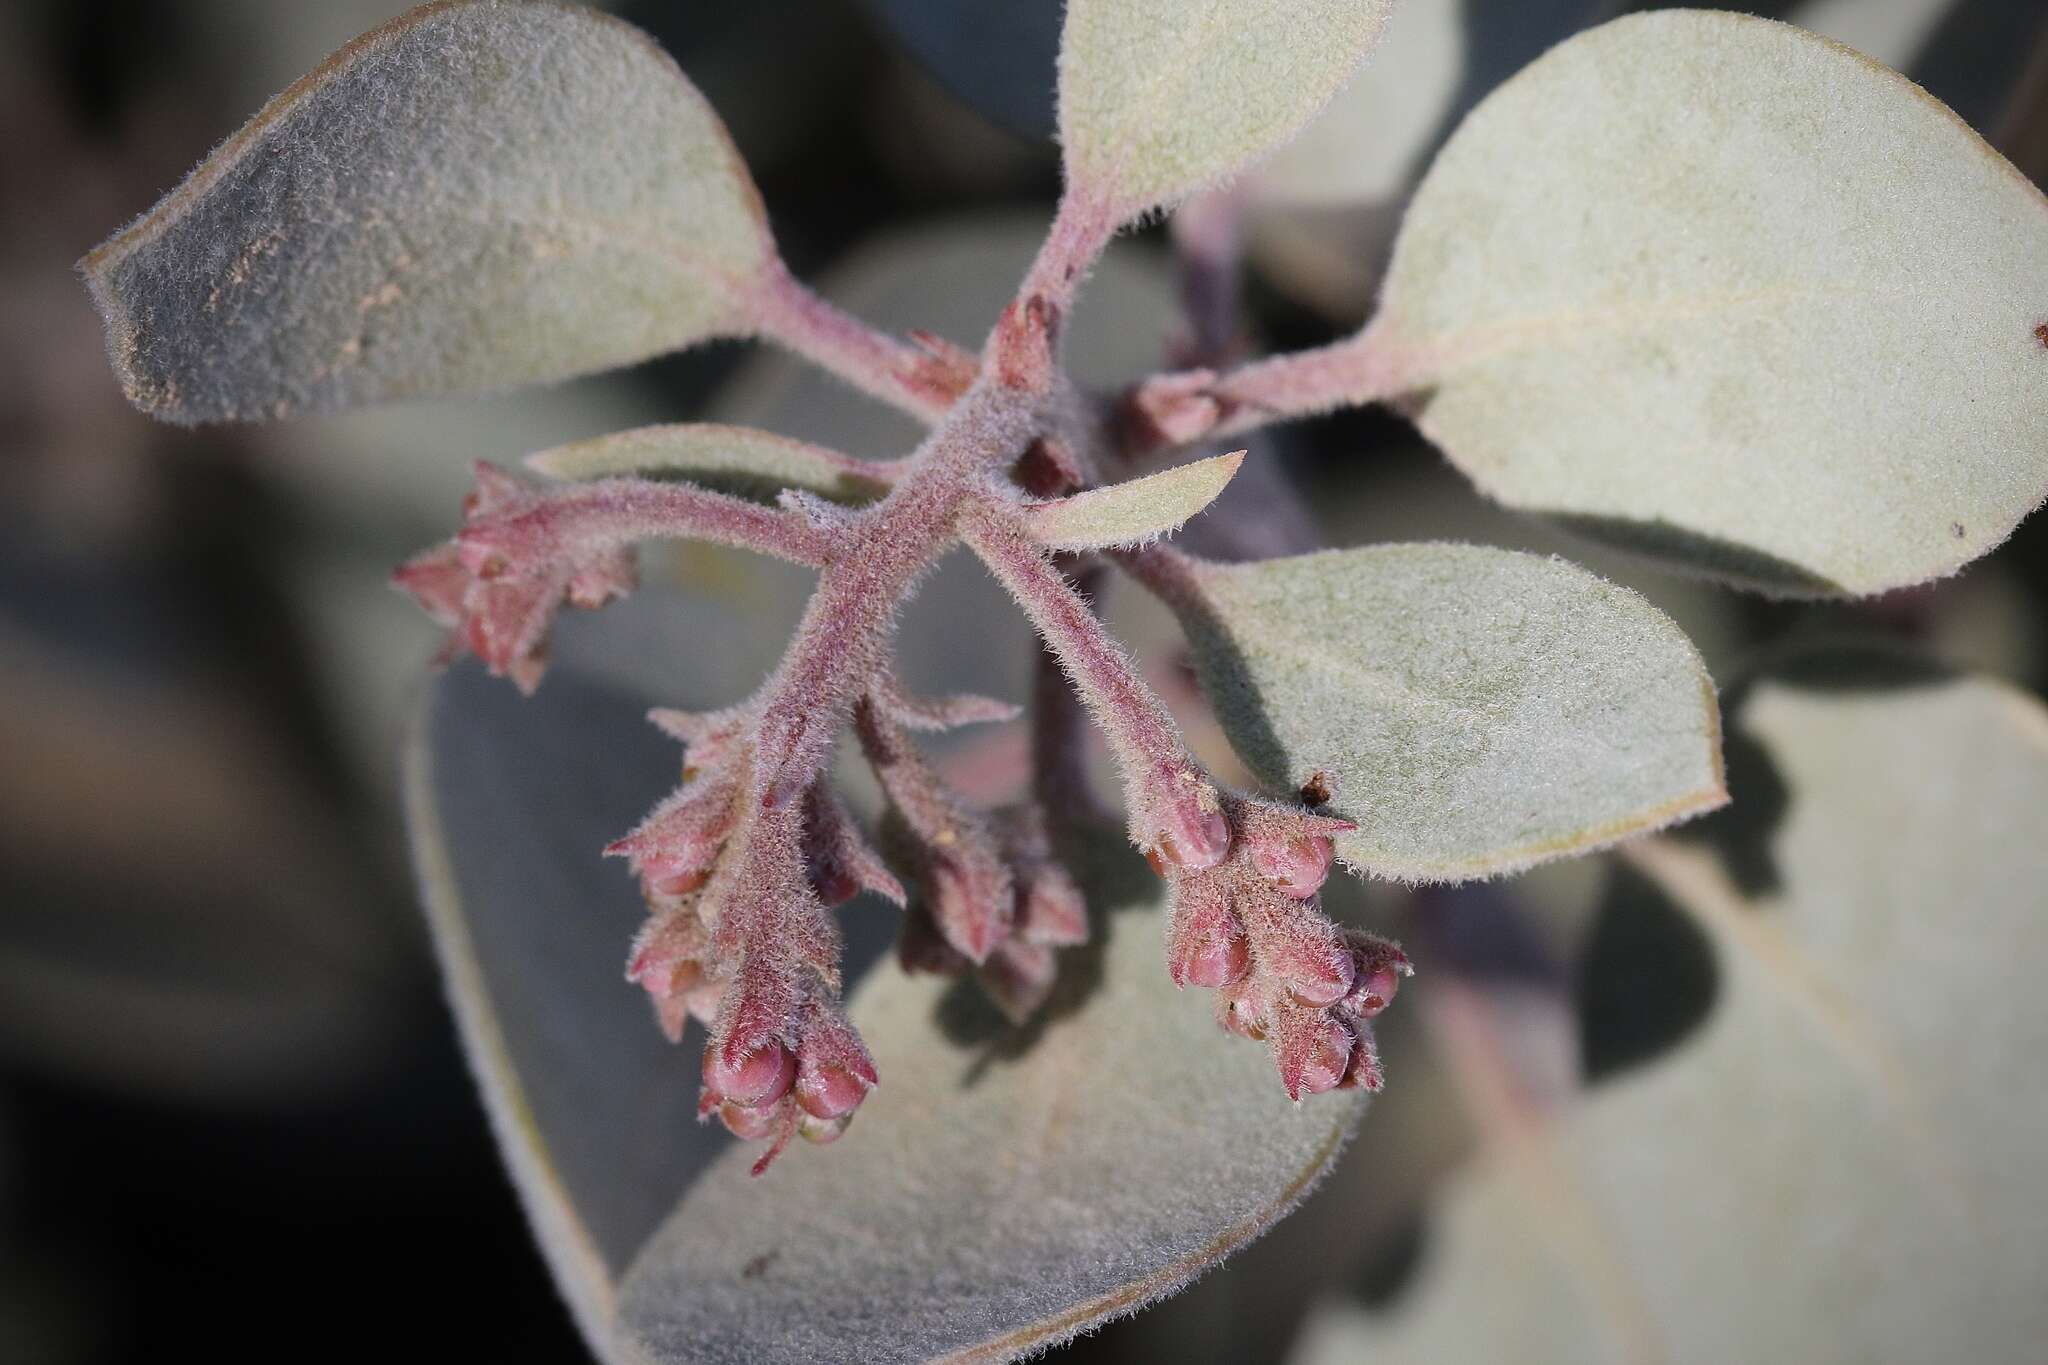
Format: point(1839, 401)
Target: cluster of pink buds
point(1245, 922)
point(499, 583)
point(740, 938)
point(990, 896)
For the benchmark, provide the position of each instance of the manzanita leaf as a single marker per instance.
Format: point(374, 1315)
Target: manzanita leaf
point(999, 1191)
point(741, 460)
point(1476, 710)
point(1722, 292)
point(1158, 98)
point(1135, 511)
point(477, 195)
point(1849, 1160)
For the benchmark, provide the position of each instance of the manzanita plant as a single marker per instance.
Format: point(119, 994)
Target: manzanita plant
point(1703, 286)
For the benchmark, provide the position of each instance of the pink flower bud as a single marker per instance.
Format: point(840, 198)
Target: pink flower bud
point(829, 1092)
point(1329, 1059)
point(1297, 864)
point(1240, 1012)
point(1364, 1073)
point(749, 1122)
point(972, 902)
point(822, 1132)
point(1214, 962)
point(1379, 966)
point(1193, 839)
point(758, 1077)
point(1050, 908)
point(1316, 970)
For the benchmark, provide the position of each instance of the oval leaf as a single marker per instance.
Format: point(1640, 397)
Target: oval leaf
point(1135, 511)
point(1000, 1190)
point(739, 460)
point(1849, 1162)
point(1478, 710)
point(474, 196)
point(1157, 99)
point(1722, 292)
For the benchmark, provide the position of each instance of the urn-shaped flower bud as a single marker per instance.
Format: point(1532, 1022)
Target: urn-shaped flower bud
point(499, 583)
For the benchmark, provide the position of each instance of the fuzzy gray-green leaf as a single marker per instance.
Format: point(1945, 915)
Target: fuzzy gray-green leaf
point(1479, 710)
point(1161, 97)
point(740, 460)
point(1134, 511)
point(1849, 1161)
point(1722, 292)
point(477, 195)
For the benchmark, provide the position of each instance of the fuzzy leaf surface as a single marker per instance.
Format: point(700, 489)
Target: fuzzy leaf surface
point(741, 460)
point(477, 195)
point(1846, 1162)
point(1134, 511)
point(1722, 292)
point(1480, 710)
point(1158, 98)
point(1000, 1190)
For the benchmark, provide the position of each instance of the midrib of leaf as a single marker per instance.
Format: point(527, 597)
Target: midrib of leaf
point(1427, 361)
point(1316, 649)
point(1554, 1209)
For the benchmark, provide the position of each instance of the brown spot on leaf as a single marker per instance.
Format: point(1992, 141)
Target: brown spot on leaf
point(756, 1268)
point(2041, 334)
point(1316, 791)
point(1955, 528)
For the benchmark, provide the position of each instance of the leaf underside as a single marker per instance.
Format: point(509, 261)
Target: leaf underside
point(1846, 1163)
point(999, 1191)
point(1479, 710)
point(1724, 293)
point(477, 195)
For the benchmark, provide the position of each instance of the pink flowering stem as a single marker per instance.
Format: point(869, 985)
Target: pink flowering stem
point(872, 361)
point(614, 513)
point(1172, 803)
point(1189, 405)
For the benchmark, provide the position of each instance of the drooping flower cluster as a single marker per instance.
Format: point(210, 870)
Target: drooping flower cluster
point(743, 864)
point(1246, 921)
point(499, 583)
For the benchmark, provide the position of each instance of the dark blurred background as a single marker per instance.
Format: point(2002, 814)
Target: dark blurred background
point(233, 1115)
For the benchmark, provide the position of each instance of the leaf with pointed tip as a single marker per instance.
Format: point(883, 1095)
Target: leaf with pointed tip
point(1722, 292)
point(1158, 98)
point(999, 1191)
point(474, 196)
point(1846, 1162)
point(1133, 512)
point(1480, 710)
point(740, 460)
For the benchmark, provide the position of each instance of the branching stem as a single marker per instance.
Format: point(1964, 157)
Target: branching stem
point(872, 361)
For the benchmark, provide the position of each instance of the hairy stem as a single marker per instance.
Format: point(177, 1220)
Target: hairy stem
point(618, 512)
point(1178, 408)
point(841, 647)
point(1171, 801)
point(1060, 730)
point(872, 361)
